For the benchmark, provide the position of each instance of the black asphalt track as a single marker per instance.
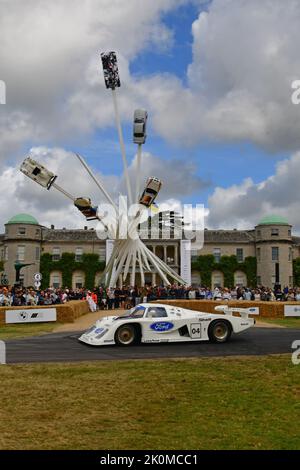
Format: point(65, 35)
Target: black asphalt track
point(65, 347)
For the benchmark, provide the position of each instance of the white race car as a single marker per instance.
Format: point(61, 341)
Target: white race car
point(159, 323)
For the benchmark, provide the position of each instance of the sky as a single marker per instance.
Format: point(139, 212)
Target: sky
point(215, 77)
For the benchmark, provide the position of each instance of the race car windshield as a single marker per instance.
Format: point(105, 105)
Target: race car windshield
point(137, 312)
point(151, 191)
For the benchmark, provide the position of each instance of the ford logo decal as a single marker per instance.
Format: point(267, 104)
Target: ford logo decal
point(162, 326)
point(98, 330)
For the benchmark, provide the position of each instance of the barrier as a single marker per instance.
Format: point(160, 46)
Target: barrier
point(266, 309)
point(66, 313)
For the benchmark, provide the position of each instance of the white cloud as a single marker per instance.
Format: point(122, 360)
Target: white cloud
point(179, 178)
point(20, 194)
point(50, 62)
point(245, 57)
point(242, 206)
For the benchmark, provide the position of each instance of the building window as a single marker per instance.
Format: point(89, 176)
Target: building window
point(289, 233)
point(56, 281)
point(22, 231)
point(102, 254)
point(258, 254)
point(240, 255)
point(290, 254)
point(274, 232)
point(275, 253)
point(37, 232)
point(56, 253)
point(217, 254)
point(21, 253)
point(259, 233)
point(78, 282)
point(37, 253)
point(78, 254)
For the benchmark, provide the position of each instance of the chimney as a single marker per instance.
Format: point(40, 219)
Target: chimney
point(52, 227)
point(85, 227)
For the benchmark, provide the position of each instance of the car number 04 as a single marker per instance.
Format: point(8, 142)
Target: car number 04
point(195, 330)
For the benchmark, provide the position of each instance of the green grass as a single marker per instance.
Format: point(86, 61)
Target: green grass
point(288, 322)
point(11, 331)
point(220, 403)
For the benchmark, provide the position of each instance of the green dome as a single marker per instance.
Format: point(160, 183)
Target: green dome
point(23, 219)
point(273, 220)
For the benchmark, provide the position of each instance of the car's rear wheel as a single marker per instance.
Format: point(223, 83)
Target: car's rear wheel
point(219, 331)
point(126, 335)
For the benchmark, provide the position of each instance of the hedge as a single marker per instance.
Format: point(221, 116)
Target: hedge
point(90, 265)
point(206, 264)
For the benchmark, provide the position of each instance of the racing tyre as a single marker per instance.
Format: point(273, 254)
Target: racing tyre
point(126, 335)
point(219, 331)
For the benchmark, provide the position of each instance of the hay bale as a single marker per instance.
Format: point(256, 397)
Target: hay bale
point(266, 309)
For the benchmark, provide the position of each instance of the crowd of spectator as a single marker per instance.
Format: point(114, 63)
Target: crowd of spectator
point(127, 297)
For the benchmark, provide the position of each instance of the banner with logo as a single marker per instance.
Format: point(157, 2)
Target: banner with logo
point(33, 315)
point(292, 310)
point(109, 249)
point(185, 257)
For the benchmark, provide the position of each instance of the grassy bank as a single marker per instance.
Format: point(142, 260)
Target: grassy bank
point(222, 403)
point(288, 322)
point(11, 331)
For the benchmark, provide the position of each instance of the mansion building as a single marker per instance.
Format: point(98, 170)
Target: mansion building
point(271, 242)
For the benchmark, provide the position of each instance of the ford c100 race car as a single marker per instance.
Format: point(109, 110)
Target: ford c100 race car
point(159, 323)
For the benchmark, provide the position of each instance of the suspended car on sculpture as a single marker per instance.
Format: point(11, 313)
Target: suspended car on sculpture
point(150, 192)
point(139, 126)
point(84, 205)
point(38, 173)
point(110, 70)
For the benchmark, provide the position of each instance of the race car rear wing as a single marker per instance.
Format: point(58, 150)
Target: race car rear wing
point(244, 312)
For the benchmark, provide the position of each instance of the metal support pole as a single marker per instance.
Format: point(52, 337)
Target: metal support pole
point(138, 172)
point(118, 123)
point(100, 186)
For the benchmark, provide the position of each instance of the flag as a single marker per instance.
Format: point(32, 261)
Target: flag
point(154, 208)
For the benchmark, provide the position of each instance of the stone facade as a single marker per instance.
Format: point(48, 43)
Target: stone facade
point(271, 242)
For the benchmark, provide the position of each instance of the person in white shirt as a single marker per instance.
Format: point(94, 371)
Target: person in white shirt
point(192, 294)
point(226, 294)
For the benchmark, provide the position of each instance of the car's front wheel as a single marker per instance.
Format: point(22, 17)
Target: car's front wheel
point(126, 335)
point(219, 331)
